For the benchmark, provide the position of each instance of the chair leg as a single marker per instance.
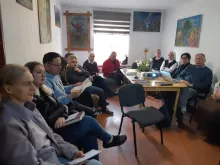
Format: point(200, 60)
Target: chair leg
point(119, 131)
point(135, 143)
point(161, 135)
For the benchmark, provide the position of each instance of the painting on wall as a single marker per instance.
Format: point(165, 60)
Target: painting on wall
point(188, 31)
point(26, 3)
point(44, 21)
point(78, 31)
point(57, 16)
point(147, 21)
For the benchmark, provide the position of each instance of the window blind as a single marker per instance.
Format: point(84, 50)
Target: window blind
point(111, 22)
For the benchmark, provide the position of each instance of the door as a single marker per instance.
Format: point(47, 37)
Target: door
point(2, 54)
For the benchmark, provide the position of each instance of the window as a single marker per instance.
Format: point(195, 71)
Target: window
point(105, 43)
point(111, 33)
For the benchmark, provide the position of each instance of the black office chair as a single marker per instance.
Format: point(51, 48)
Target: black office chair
point(201, 96)
point(131, 95)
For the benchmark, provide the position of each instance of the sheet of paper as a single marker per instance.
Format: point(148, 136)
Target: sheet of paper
point(88, 155)
point(86, 83)
point(71, 117)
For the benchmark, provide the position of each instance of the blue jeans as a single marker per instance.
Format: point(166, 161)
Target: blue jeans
point(84, 134)
point(90, 162)
point(100, 93)
point(185, 95)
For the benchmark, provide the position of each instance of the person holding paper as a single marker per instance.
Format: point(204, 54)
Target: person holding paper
point(76, 74)
point(52, 65)
point(111, 68)
point(26, 139)
point(84, 133)
point(89, 70)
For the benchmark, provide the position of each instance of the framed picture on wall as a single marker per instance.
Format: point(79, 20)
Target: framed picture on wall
point(26, 3)
point(44, 21)
point(78, 31)
point(188, 31)
point(57, 16)
point(147, 21)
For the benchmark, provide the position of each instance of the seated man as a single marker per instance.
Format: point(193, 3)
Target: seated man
point(76, 74)
point(91, 66)
point(198, 78)
point(111, 69)
point(169, 65)
point(185, 57)
point(52, 64)
point(157, 61)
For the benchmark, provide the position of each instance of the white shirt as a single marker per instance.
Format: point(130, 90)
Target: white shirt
point(91, 62)
point(171, 69)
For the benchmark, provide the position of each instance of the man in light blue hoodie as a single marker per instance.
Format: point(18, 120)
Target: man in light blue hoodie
point(52, 64)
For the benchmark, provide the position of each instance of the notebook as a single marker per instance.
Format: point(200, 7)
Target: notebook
point(87, 156)
point(76, 117)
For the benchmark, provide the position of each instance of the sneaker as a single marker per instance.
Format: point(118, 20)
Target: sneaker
point(107, 111)
point(116, 141)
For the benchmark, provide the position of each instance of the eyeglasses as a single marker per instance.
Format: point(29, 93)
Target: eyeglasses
point(55, 65)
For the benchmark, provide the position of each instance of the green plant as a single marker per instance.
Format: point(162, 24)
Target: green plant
point(143, 66)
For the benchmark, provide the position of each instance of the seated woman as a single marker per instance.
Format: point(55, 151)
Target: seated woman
point(26, 139)
point(83, 133)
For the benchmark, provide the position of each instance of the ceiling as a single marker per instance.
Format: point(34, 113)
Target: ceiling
point(126, 4)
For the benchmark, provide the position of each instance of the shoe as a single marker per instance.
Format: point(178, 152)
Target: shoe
point(107, 111)
point(180, 125)
point(116, 141)
point(98, 112)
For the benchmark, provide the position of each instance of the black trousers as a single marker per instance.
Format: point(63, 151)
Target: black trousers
point(118, 77)
point(76, 106)
point(85, 98)
point(100, 82)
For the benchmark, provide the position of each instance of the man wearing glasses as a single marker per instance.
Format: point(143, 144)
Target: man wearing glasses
point(185, 57)
point(52, 65)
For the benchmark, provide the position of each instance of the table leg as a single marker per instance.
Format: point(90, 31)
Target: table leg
point(176, 102)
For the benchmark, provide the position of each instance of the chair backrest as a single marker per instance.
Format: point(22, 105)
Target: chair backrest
point(131, 95)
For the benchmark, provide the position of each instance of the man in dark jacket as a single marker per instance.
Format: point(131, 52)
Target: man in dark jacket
point(76, 74)
point(185, 57)
point(198, 78)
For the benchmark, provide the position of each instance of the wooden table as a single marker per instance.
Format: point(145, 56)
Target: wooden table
point(153, 86)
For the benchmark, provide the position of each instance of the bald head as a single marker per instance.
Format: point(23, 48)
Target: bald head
point(91, 57)
point(200, 60)
point(113, 56)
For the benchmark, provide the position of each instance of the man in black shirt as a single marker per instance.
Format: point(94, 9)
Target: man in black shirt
point(185, 57)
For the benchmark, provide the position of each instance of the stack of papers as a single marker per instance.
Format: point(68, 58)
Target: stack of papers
point(87, 83)
point(87, 156)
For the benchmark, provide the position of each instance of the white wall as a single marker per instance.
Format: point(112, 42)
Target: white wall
point(141, 40)
point(21, 32)
point(138, 40)
point(82, 55)
point(210, 32)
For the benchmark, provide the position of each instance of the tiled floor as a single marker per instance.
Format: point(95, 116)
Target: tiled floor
point(181, 147)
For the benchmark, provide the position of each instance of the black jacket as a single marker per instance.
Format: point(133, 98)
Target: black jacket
point(74, 77)
point(180, 69)
point(49, 108)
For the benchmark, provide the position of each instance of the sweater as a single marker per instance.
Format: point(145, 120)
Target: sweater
point(108, 67)
point(92, 68)
point(156, 64)
point(73, 76)
point(200, 78)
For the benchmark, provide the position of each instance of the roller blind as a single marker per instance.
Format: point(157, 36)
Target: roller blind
point(111, 22)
